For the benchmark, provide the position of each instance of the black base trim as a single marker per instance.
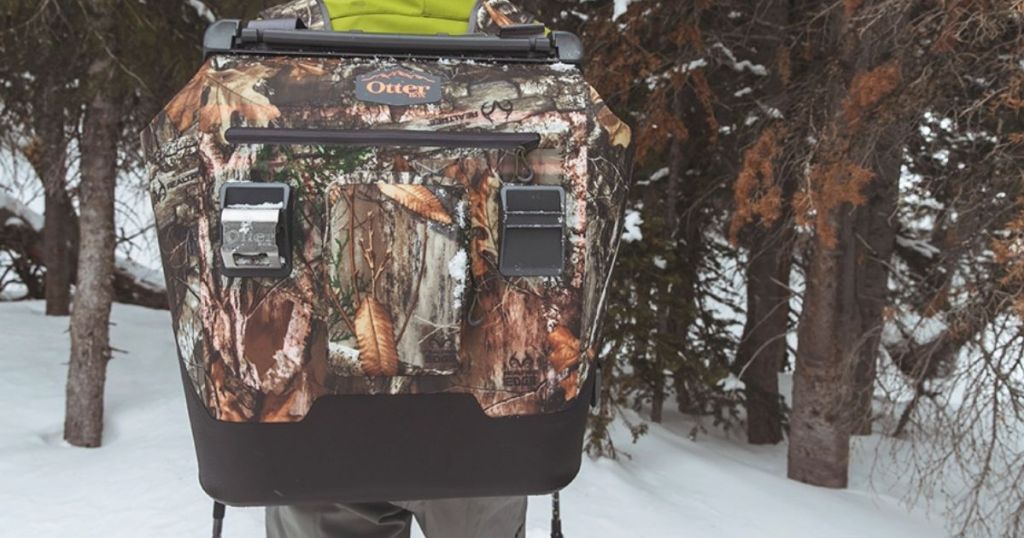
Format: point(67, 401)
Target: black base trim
point(387, 448)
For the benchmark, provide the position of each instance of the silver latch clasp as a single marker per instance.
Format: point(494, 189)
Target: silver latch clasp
point(255, 230)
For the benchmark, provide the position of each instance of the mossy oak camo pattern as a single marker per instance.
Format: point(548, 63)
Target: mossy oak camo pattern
point(395, 287)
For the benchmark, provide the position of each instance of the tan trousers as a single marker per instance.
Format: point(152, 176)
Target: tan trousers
point(455, 518)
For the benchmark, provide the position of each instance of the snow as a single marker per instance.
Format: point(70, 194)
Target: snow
point(741, 65)
point(143, 481)
point(144, 276)
point(632, 226)
point(922, 247)
point(457, 269)
point(30, 217)
point(621, 6)
point(695, 64)
point(731, 383)
point(661, 174)
point(564, 67)
point(202, 9)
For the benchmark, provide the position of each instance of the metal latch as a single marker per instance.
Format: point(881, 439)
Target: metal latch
point(256, 230)
point(532, 231)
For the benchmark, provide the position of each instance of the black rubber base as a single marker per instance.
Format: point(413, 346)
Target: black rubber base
point(387, 448)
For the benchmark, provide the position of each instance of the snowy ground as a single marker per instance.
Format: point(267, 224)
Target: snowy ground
point(143, 483)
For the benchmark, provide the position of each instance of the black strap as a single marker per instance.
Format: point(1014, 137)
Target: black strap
point(556, 517)
point(218, 519)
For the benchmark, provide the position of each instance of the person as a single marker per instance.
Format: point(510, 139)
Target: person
point(448, 518)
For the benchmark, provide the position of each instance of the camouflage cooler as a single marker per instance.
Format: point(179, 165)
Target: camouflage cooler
point(387, 257)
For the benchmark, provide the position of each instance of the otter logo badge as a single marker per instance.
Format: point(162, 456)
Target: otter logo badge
point(398, 86)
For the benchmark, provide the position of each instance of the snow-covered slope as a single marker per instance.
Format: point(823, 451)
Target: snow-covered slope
point(143, 481)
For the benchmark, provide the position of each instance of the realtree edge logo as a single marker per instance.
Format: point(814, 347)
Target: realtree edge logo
point(521, 374)
point(398, 86)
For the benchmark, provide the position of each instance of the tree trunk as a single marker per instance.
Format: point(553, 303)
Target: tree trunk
point(90, 320)
point(56, 248)
point(819, 445)
point(876, 241)
point(666, 348)
point(48, 156)
point(762, 350)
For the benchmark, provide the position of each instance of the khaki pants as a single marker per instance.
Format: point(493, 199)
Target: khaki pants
point(455, 518)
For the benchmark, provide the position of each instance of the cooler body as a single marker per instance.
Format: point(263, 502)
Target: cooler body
point(386, 270)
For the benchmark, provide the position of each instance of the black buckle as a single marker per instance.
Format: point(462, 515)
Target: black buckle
point(532, 231)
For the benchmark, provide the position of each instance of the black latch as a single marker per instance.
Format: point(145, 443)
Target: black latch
point(255, 223)
point(532, 231)
point(521, 30)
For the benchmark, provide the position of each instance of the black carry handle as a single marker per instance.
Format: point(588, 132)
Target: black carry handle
point(277, 37)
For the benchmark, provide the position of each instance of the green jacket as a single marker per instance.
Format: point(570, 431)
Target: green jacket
point(424, 17)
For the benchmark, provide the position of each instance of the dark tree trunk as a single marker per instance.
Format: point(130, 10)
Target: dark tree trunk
point(876, 241)
point(670, 323)
point(658, 393)
point(57, 249)
point(762, 350)
point(48, 157)
point(90, 320)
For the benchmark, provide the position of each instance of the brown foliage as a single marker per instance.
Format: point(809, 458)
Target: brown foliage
point(868, 89)
point(662, 125)
point(1012, 97)
point(418, 199)
point(784, 65)
point(705, 96)
point(1009, 253)
point(851, 6)
point(497, 16)
point(757, 192)
point(831, 185)
point(565, 348)
point(375, 333)
point(571, 385)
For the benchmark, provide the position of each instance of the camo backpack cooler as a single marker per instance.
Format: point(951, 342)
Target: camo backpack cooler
point(387, 253)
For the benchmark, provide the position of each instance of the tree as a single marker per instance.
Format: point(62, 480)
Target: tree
point(90, 331)
point(762, 224)
point(37, 71)
point(136, 65)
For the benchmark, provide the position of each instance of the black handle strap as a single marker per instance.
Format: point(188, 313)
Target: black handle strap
point(286, 36)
